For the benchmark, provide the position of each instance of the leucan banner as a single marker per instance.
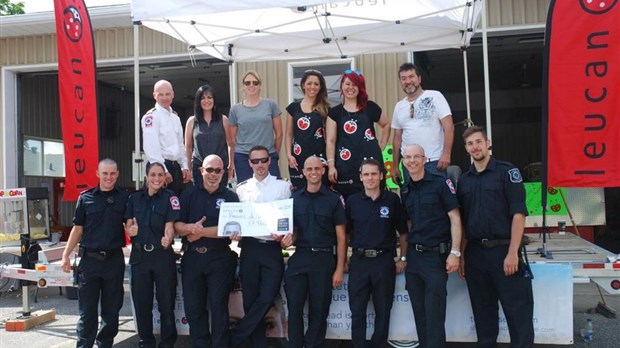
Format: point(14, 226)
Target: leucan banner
point(78, 97)
point(582, 81)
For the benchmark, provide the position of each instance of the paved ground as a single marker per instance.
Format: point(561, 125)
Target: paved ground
point(61, 332)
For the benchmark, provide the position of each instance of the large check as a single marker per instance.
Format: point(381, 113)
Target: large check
point(256, 219)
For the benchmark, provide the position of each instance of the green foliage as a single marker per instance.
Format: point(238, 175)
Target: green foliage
point(8, 8)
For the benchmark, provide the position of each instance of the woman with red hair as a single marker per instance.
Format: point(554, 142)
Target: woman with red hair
point(350, 133)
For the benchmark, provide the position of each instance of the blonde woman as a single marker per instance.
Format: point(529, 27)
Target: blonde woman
point(254, 121)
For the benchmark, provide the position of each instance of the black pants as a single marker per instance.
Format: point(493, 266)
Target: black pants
point(486, 282)
point(371, 277)
point(100, 280)
point(208, 277)
point(426, 280)
point(177, 185)
point(158, 268)
point(308, 277)
point(261, 271)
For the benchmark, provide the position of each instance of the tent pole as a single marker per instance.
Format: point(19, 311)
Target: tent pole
point(485, 59)
point(232, 78)
point(136, 99)
point(467, 101)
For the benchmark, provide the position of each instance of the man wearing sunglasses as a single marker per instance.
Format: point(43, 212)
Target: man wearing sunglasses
point(262, 265)
point(208, 265)
point(423, 117)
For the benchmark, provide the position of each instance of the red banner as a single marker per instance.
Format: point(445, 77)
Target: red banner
point(78, 96)
point(583, 89)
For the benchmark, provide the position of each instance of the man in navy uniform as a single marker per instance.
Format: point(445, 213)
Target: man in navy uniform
point(373, 216)
point(208, 264)
point(434, 245)
point(492, 197)
point(319, 227)
point(98, 227)
point(162, 137)
point(262, 264)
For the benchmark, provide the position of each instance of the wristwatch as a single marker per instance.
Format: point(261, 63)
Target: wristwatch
point(455, 253)
point(403, 258)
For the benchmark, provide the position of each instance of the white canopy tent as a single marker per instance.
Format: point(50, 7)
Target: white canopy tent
point(285, 30)
point(262, 30)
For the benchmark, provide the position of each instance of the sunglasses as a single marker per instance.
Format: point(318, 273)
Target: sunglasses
point(261, 160)
point(349, 71)
point(313, 71)
point(213, 170)
point(254, 83)
point(411, 110)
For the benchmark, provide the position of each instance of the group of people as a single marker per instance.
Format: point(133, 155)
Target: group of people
point(337, 182)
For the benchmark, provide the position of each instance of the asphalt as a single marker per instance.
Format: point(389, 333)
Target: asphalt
point(61, 332)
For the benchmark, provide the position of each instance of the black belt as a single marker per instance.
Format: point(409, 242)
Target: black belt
point(250, 240)
point(99, 255)
point(148, 247)
point(369, 252)
point(490, 243)
point(443, 247)
point(204, 249)
point(322, 250)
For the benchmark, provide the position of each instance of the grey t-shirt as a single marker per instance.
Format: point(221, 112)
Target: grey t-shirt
point(254, 125)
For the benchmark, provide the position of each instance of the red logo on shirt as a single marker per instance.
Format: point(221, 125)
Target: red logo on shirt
point(148, 121)
point(345, 154)
point(303, 123)
point(296, 149)
point(319, 133)
point(451, 186)
point(174, 202)
point(368, 135)
point(350, 126)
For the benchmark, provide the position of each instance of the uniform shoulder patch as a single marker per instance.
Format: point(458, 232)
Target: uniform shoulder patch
point(515, 175)
point(174, 202)
point(147, 121)
point(451, 186)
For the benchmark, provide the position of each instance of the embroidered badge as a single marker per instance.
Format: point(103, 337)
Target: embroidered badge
point(515, 175)
point(148, 121)
point(174, 202)
point(385, 212)
point(451, 186)
point(218, 202)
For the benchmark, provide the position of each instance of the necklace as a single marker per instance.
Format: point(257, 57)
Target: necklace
point(351, 115)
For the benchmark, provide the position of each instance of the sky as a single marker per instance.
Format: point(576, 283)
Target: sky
point(48, 5)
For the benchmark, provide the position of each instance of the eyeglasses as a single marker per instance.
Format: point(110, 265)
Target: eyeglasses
point(254, 83)
point(416, 157)
point(261, 160)
point(411, 110)
point(349, 71)
point(213, 170)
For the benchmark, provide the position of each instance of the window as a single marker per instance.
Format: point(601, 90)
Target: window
point(44, 157)
point(330, 69)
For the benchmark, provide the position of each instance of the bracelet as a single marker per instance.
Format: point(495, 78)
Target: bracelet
point(330, 160)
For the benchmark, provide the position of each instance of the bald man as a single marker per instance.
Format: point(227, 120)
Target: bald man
point(319, 230)
point(162, 137)
point(208, 264)
point(434, 244)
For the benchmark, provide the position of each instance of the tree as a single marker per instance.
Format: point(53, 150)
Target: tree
point(8, 8)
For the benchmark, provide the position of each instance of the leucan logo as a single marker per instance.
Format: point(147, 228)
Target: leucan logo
point(597, 6)
point(72, 24)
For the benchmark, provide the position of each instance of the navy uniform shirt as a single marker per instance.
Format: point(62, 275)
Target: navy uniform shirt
point(315, 217)
point(427, 203)
point(197, 202)
point(152, 213)
point(101, 214)
point(490, 198)
point(372, 223)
